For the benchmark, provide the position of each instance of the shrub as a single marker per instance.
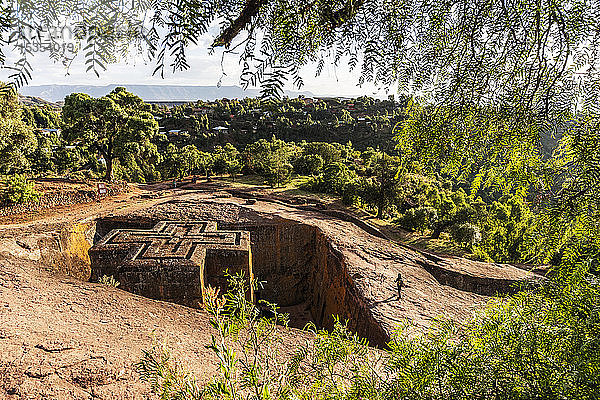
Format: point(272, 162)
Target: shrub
point(326, 151)
point(17, 189)
point(109, 281)
point(308, 164)
point(466, 234)
point(538, 344)
point(350, 193)
point(419, 219)
point(83, 175)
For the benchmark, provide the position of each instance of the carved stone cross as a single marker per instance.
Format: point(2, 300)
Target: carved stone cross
point(174, 261)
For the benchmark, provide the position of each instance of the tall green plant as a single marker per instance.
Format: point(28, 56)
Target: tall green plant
point(542, 343)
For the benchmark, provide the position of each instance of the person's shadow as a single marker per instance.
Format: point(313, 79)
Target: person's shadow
point(388, 300)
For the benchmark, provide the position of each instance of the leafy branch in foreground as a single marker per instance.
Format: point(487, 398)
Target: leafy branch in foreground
point(539, 55)
point(498, 152)
point(541, 343)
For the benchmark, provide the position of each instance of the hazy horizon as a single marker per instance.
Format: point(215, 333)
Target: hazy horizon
point(205, 70)
point(149, 92)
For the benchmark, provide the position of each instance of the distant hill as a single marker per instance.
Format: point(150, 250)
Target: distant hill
point(36, 101)
point(55, 93)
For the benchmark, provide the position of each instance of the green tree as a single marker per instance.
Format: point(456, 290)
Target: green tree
point(336, 178)
point(327, 151)
point(227, 160)
point(271, 159)
point(518, 53)
point(568, 200)
point(419, 218)
point(185, 161)
point(41, 117)
point(108, 124)
point(383, 188)
point(205, 163)
point(172, 164)
point(308, 164)
point(45, 157)
point(17, 140)
point(453, 209)
point(506, 226)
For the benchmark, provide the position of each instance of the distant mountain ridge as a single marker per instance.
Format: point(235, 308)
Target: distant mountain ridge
point(36, 101)
point(55, 93)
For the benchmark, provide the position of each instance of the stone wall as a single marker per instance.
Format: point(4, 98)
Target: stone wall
point(62, 199)
point(105, 225)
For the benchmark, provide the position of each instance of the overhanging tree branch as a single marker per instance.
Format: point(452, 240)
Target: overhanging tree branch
point(345, 13)
point(250, 10)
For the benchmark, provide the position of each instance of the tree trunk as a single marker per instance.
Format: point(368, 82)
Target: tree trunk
point(109, 169)
point(437, 231)
point(107, 154)
point(380, 208)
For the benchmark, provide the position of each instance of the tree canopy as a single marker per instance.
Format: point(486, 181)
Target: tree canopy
point(116, 125)
point(541, 55)
point(17, 140)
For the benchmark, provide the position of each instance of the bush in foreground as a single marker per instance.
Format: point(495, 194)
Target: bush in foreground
point(543, 343)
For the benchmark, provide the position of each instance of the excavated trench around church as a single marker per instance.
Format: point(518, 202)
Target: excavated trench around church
point(302, 272)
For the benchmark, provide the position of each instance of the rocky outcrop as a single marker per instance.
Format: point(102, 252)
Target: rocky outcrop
point(313, 264)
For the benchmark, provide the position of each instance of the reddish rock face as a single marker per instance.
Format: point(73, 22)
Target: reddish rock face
point(174, 261)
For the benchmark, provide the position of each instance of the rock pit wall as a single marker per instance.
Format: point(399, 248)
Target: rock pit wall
point(299, 266)
point(484, 286)
point(335, 294)
point(66, 251)
point(282, 258)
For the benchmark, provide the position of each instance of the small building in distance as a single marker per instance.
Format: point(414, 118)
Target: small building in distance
point(49, 131)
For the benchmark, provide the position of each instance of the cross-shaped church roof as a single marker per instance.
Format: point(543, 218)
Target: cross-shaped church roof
point(173, 261)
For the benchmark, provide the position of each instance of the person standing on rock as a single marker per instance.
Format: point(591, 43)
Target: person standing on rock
point(399, 285)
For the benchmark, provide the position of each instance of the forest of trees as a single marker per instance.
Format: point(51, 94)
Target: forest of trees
point(364, 121)
point(118, 137)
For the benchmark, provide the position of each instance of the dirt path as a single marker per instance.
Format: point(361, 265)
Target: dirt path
point(140, 196)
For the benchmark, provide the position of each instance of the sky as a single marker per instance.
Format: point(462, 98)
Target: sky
point(205, 70)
